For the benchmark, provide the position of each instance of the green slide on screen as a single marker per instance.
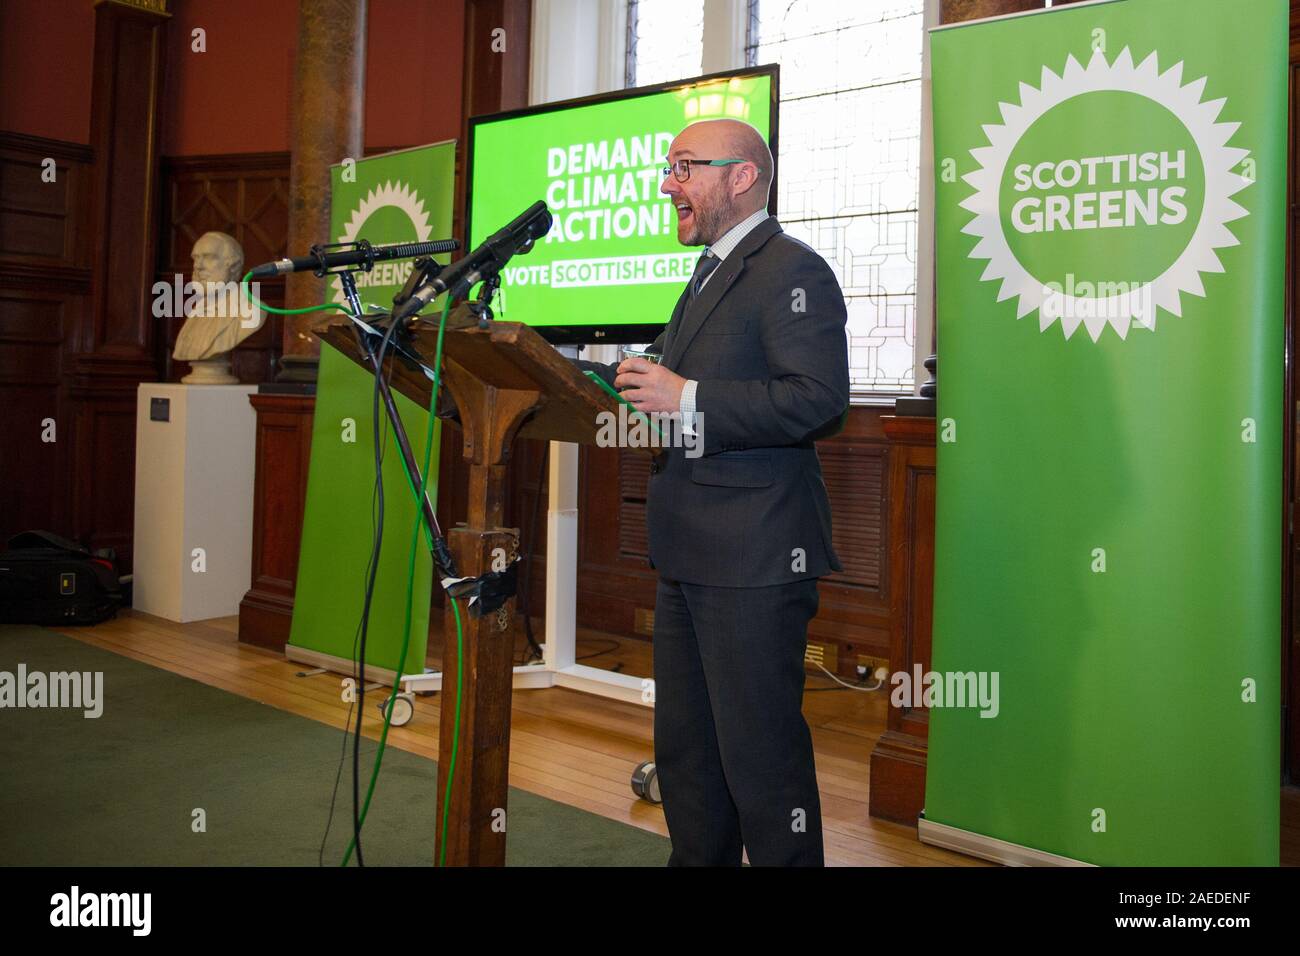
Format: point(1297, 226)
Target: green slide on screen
point(612, 254)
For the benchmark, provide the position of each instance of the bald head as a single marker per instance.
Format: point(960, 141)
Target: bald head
point(712, 199)
point(734, 139)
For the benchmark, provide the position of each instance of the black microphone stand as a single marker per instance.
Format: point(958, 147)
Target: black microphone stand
point(482, 306)
point(441, 552)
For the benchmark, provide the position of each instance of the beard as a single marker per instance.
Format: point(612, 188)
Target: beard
point(709, 218)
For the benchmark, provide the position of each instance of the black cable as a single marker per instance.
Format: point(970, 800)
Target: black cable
point(615, 645)
point(334, 794)
point(356, 637)
point(365, 610)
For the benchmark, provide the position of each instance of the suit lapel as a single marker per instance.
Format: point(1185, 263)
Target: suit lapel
point(674, 324)
point(687, 322)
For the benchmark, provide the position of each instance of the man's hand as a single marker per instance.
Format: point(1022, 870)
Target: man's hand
point(650, 387)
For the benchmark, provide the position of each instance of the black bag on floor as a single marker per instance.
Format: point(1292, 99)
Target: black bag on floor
point(45, 579)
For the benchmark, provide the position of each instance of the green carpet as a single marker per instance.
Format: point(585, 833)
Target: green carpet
point(121, 789)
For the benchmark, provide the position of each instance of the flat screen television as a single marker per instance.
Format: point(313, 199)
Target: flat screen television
point(611, 268)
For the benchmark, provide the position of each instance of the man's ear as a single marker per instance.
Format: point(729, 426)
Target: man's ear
point(746, 178)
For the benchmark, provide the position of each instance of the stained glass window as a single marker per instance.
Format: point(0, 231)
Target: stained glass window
point(849, 144)
point(665, 40)
point(849, 147)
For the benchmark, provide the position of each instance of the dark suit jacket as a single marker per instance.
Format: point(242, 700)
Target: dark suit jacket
point(765, 340)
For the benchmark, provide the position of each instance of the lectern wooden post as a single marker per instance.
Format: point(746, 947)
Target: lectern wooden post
point(507, 382)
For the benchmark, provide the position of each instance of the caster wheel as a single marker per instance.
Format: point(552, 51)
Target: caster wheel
point(645, 782)
point(403, 707)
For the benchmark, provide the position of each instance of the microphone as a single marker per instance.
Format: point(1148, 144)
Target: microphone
point(515, 238)
point(320, 261)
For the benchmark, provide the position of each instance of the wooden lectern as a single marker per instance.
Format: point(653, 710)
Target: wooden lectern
point(507, 382)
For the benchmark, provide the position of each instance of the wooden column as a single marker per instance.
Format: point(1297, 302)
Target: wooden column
point(328, 112)
point(113, 345)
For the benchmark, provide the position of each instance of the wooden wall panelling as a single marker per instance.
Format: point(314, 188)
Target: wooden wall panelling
point(44, 289)
point(614, 575)
point(854, 611)
point(43, 224)
point(113, 344)
point(35, 471)
point(103, 474)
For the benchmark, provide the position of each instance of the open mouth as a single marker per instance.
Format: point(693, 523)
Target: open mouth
point(684, 211)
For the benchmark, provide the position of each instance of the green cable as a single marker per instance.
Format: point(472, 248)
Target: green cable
point(455, 741)
point(455, 737)
point(420, 522)
point(410, 580)
point(346, 311)
point(270, 308)
point(455, 610)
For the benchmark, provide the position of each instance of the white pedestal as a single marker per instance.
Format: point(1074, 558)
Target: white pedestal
point(193, 490)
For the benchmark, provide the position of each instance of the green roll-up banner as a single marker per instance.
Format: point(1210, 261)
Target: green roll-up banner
point(1110, 199)
point(404, 196)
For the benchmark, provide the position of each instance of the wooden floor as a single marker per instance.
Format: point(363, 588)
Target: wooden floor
point(572, 747)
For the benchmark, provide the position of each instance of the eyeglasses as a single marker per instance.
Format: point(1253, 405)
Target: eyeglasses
point(681, 169)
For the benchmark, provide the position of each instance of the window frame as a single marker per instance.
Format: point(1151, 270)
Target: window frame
point(729, 42)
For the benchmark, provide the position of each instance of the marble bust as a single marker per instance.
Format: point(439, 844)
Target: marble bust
point(219, 320)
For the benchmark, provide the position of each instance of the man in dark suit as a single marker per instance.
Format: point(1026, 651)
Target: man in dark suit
point(756, 361)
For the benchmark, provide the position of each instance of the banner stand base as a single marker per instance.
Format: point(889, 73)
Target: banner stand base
point(987, 847)
point(526, 676)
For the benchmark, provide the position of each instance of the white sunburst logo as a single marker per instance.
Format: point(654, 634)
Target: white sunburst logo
point(1115, 304)
point(395, 194)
